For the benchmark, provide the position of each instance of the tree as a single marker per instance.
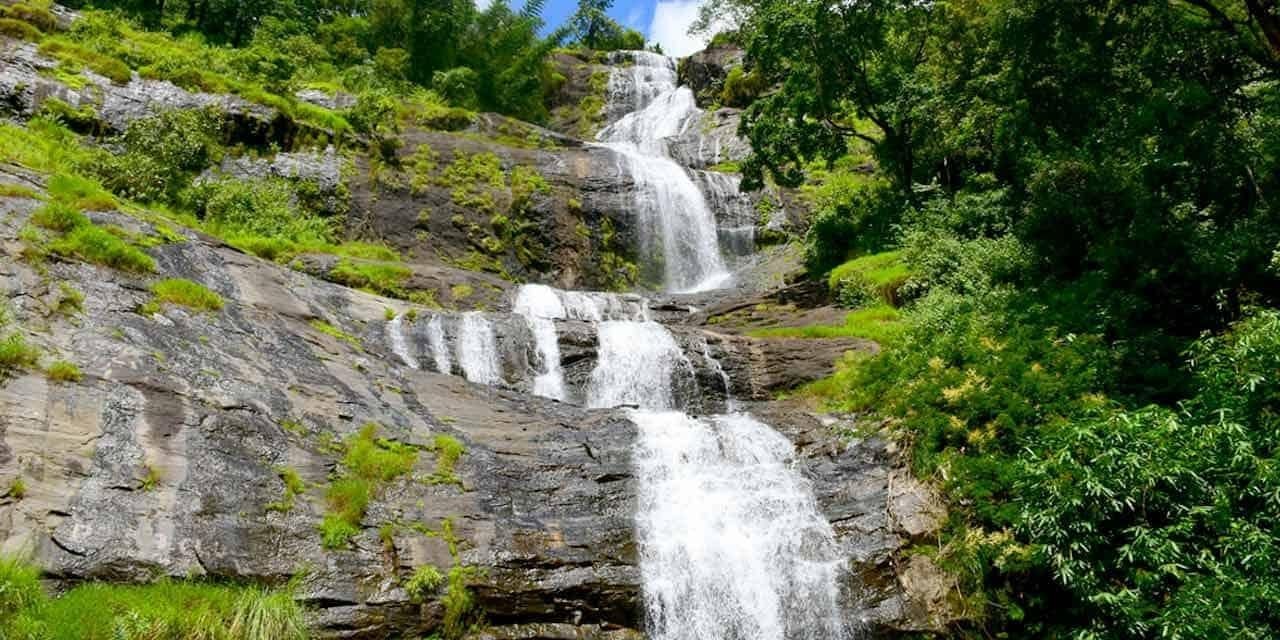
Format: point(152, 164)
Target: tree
point(592, 24)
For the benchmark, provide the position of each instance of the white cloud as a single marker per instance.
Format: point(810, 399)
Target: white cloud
point(483, 4)
point(670, 27)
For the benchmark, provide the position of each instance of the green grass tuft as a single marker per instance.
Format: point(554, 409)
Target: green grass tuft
point(880, 323)
point(16, 191)
point(17, 353)
point(97, 245)
point(164, 610)
point(186, 293)
point(334, 332)
point(63, 371)
point(17, 489)
point(425, 581)
point(59, 216)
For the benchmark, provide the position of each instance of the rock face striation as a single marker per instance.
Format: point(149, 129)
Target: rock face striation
point(171, 455)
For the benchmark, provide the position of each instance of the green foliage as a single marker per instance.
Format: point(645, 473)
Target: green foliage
point(334, 332)
point(104, 65)
point(424, 582)
point(63, 371)
point(37, 16)
point(880, 323)
point(16, 191)
point(741, 87)
point(368, 463)
point(868, 279)
point(294, 486)
point(377, 459)
point(82, 118)
point(59, 216)
point(19, 587)
point(384, 278)
point(850, 216)
point(448, 451)
point(100, 246)
point(19, 30)
point(17, 491)
point(168, 609)
point(151, 480)
point(186, 293)
point(16, 353)
point(162, 152)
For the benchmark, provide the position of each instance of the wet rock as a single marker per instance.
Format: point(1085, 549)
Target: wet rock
point(704, 72)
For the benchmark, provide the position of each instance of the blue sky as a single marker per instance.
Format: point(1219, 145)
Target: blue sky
point(662, 21)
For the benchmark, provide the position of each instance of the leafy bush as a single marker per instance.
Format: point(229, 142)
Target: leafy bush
point(162, 152)
point(426, 579)
point(869, 279)
point(851, 215)
point(246, 211)
point(741, 87)
point(457, 86)
point(102, 64)
point(82, 118)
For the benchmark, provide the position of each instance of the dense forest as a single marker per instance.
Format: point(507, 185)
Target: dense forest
point(1057, 216)
point(1073, 202)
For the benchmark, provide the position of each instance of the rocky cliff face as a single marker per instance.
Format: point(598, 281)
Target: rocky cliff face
point(170, 455)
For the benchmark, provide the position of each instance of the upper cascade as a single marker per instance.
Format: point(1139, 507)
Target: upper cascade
point(674, 222)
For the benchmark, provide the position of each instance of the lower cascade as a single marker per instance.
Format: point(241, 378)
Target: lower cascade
point(732, 545)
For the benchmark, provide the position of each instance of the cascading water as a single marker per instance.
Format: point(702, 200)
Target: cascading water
point(541, 307)
point(732, 544)
point(439, 345)
point(400, 346)
point(477, 349)
point(673, 219)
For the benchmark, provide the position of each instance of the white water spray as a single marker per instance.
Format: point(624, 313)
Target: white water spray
point(541, 307)
point(732, 544)
point(439, 345)
point(477, 349)
point(399, 345)
point(672, 216)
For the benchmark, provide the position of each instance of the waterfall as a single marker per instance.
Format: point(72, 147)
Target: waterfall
point(732, 544)
point(636, 364)
point(540, 306)
point(439, 345)
point(477, 349)
point(673, 219)
point(715, 366)
point(400, 346)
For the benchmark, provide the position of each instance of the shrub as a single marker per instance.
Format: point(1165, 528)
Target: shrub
point(82, 118)
point(17, 491)
point(741, 87)
point(347, 499)
point(162, 151)
point(457, 86)
point(257, 211)
point(95, 244)
point(448, 451)
point(426, 579)
point(851, 215)
point(869, 279)
point(19, 30)
point(63, 371)
point(186, 293)
point(38, 17)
